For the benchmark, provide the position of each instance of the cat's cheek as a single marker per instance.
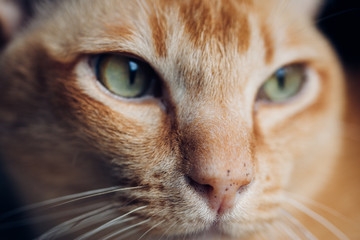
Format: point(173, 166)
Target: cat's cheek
point(288, 131)
point(292, 130)
point(104, 121)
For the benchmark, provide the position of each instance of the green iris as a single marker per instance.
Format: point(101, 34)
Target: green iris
point(284, 84)
point(124, 76)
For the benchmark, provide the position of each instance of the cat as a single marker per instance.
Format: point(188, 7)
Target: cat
point(219, 119)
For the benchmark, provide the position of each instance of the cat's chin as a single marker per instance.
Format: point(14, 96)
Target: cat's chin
point(214, 232)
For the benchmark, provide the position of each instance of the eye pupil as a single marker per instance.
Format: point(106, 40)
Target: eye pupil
point(280, 74)
point(133, 68)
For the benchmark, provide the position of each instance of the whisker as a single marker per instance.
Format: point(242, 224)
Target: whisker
point(96, 219)
point(288, 231)
point(171, 226)
point(122, 221)
point(298, 225)
point(98, 194)
point(108, 224)
point(128, 234)
point(49, 217)
point(125, 229)
point(68, 225)
point(318, 205)
point(151, 229)
point(323, 221)
point(67, 198)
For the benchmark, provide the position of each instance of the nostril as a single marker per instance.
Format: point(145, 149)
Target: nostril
point(203, 189)
point(242, 188)
point(220, 193)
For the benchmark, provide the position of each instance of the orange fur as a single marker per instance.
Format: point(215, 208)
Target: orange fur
point(61, 133)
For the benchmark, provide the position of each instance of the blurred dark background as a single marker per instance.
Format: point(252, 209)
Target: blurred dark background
point(340, 21)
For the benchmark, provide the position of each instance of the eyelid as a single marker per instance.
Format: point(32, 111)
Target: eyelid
point(137, 58)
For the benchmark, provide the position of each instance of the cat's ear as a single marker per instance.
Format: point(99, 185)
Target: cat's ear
point(310, 8)
point(12, 15)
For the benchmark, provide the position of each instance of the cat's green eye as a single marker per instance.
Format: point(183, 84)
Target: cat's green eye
point(124, 76)
point(284, 84)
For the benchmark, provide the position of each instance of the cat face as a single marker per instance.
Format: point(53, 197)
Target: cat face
point(208, 145)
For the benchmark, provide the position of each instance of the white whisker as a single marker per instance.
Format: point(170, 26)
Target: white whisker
point(323, 221)
point(50, 216)
point(317, 205)
point(151, 229)
point(108, 224)
point(169, 228)
point(122, 221)
point(98, 194)
point(128, 234)
point(125, 229)
point(90, 221)
point(298, 225)
point(68, 225)
point(68, 198)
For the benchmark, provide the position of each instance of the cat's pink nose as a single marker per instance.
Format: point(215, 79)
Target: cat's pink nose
point(218, 158)
point(220, 191)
